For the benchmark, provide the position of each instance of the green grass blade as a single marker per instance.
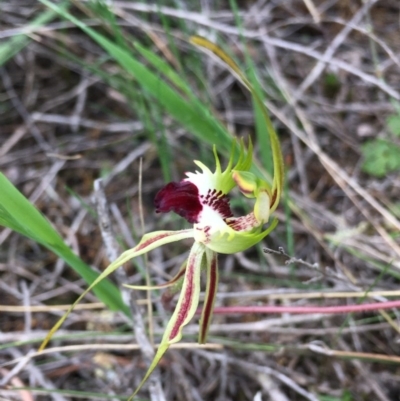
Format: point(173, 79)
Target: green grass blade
point(199, 121)
point(288, 221)
point(262, 132)
point(86, 395)
point(15, 44)
point(100, 9)
point(151, 116)
point(17, 213)
point(163, 67)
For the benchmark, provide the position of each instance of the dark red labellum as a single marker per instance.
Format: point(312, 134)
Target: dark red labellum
point(181, 198)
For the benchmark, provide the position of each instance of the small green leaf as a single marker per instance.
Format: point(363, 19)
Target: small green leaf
point(380, 157)
point(15, 44)
point(393, 123)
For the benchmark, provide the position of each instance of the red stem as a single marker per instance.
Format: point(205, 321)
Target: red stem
point(227, 310)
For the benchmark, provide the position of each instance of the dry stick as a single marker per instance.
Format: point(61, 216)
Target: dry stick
point(287, 294)
point(323, 350)
point(148, 283)
point(315, 147)
point(283, 325)
point(313, 11)
point(122, 226)
point(25, 395)
point(345, 182)
point(298, 152)
point(182, 380)
point(330, 51)
point(59, 119)
point(79, 105)
point(270, 325)
point(338, 174)
point(13, 139)
point(223, 383)
point(392, 54)
point(317, 70)
point(366, 375)
point(22, 361)
point(376, 306)
point(26, 300)
point(267, 294)
point(201, 19)
point(127, 160)
point(283, 44)
point(252, 367)
point(49, 308)
point(36, 376)
point(23, 112)
point(112, 251)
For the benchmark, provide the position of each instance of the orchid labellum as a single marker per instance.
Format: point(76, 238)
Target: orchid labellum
point(202, 198)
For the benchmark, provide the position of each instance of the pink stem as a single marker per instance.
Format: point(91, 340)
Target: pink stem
point(306, 309)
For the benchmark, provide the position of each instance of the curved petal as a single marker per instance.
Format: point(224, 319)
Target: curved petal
point(232, 241)
point(184, 310)
point(189, 297)
point(211, 291)
point(277, 183)
point(147, 243)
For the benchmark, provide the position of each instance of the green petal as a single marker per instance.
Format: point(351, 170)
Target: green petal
point(262, 207)
point(222, 180)
point(231, 241)
point(184, 310)
point(277, 183)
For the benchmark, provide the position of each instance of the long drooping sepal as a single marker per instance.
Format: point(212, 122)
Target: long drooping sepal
point(211, 291)
point(184, 310)
point(277, 183)
point(169, 283)
point(147, 243)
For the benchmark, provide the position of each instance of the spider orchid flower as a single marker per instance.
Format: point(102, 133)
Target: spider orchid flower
point(202, 199)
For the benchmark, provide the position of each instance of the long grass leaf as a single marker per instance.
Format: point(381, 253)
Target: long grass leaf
point(262, 131)
point(15, 44)
point(17, 213)
point(200, 122)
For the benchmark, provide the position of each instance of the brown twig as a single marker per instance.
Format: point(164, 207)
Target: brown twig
point(112, 251)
